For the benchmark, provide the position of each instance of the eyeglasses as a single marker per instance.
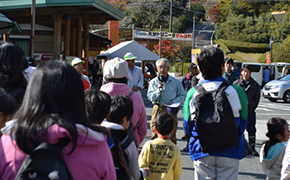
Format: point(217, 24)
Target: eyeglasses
point(162, 67)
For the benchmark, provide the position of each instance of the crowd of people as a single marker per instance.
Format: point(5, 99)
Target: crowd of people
point(106, 126)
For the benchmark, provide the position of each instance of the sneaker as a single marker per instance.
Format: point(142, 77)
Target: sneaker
point(255, 153)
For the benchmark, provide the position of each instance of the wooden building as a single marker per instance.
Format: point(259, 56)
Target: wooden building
point(69, 20)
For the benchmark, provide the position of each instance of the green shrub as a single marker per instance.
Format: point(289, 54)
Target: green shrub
point(246, 47)
point(262, 58)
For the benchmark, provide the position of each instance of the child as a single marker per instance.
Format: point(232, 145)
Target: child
point(161, 155)
point(98, 105)
point(53, 107)
point(118, 123)
point(272, 151)
point(7, 107)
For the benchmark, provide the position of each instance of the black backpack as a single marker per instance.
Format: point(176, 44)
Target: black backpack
point(216, 125)
point(46, 162)
point(120, 158)
point(131, 130)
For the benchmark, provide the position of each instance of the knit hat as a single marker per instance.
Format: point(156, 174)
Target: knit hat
point(129, 56)
point(116, 69)
point(76, 61)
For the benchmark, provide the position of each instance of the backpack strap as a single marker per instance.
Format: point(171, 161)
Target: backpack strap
point(224, 85)
point(62, 143)
point(137, 125)
point(200, 89)
point(15, 92)
point(130, 94)
point(124, 145)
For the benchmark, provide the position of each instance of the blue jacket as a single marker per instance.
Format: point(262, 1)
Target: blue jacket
point(238, 100)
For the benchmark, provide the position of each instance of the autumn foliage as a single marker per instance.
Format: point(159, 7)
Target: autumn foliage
point(168, 49)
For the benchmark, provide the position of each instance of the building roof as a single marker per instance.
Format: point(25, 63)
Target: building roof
point(92, 11)
point(134, 47)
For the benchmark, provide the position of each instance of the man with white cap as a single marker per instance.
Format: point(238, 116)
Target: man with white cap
point(137, 83)
point(116, 75)
point(77, 63)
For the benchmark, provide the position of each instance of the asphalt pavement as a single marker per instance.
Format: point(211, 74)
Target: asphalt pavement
point(250, 167)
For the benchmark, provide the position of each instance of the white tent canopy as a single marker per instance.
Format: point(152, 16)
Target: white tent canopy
point(122, 48)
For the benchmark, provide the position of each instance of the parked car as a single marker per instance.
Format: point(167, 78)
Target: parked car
point(278, 89)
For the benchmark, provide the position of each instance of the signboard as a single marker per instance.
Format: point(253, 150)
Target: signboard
point(114, 32)
point(42, 57)
point(164, 35)
point(194, 53)
point(268, 58)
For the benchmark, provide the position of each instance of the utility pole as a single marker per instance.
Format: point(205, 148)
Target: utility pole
point(32, 30)
point(170, 24)
point(133, 33)
point(193, 31)
point(271, 48)
point(160, 40)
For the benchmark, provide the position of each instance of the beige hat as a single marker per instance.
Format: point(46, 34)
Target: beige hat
point(116, 69)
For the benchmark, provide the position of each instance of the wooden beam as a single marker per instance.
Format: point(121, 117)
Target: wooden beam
point(86, 39)
point(6, 37)
point(56, 35)
point(79, 38)
point(67, 39)
point(73, 41)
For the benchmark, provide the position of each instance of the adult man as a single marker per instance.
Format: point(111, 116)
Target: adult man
point(163, 91)
point(252, 89)
point(77, 63)
point(116, 75)
point(222, 164)
point(186, 83)
point(186, 80)
point(137, 83)
point(229, 74)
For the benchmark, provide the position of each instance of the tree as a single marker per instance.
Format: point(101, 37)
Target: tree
point(146, 13)
point(168, 49)
point(214, 14)
point(118, 4)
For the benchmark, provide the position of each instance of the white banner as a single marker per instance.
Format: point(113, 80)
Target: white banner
point(164, 35)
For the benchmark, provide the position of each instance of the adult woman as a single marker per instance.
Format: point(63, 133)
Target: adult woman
point(53, 107)
point(11, 76)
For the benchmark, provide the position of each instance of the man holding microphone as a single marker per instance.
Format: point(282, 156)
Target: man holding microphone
point(166, 93)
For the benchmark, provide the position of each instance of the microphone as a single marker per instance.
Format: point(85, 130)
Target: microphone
point(161, 78)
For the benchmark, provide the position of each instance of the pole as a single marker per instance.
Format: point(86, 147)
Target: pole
point(193, 31)
point(170, 23)
point(160, 41)
point(189, 4)
point(271, 47)
point(32, 31)
point(133, 28)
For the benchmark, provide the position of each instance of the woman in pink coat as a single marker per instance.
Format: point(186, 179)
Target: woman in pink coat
point(53, 107)
point(116, 75)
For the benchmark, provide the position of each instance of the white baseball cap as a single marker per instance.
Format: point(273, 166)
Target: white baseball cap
point(76, 61)
point(129, 56)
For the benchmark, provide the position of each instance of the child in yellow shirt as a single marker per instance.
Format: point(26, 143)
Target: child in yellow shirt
point(161, 155)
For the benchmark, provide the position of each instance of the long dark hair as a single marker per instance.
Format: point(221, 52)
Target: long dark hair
point(275, 126)
point(54, 95)
point(11, 58)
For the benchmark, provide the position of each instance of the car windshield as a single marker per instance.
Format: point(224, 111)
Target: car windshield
point(285, 78)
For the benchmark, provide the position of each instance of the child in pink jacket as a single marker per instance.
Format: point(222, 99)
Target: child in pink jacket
point(53, 107)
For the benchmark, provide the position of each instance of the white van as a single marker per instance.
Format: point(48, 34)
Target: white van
point(261, 72)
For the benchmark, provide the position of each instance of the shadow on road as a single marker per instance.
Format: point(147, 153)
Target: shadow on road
point(254, 175)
